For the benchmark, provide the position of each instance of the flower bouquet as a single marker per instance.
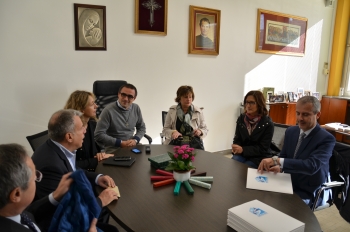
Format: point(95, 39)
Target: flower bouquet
point(182, 159)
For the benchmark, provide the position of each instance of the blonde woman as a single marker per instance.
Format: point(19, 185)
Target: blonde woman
point(88, 156)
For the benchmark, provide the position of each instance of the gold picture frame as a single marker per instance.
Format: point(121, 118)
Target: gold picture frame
point(279, 33)
point(151, 17)
point(204, 34)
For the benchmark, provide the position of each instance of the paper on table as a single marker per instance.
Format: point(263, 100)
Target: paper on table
point(269, 181)
point(273, 220)
point(116, 190)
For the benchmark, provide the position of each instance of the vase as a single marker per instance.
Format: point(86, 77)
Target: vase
point(182, 175)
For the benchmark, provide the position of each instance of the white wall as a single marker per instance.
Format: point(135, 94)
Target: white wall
point(39, 66)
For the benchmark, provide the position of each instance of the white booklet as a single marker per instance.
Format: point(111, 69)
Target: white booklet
point(257, 216)
point(269, 181)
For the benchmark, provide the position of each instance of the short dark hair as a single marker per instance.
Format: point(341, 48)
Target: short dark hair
point(204, 20)
point(260, 101)
point(14, 171)
point(316, 105)
point(184, 91)
point(129, 86)
point(61, 123)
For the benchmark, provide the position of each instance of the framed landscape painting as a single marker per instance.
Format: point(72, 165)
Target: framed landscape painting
point(279, 33)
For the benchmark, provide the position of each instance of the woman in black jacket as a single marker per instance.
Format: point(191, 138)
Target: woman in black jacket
point(254, 131)
point(89, 154)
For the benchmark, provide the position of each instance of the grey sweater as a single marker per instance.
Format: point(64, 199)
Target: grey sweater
point(116, 124)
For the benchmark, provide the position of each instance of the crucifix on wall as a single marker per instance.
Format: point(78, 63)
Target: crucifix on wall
point(151, 5)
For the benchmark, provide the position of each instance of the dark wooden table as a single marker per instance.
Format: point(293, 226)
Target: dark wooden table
point(144, 208)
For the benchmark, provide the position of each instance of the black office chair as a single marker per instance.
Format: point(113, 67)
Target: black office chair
point(36, 140)
point(164, 113)
point(339, 164)
point(107, 92)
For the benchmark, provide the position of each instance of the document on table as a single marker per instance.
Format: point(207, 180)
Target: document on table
point(257, 216)
point(269, 181)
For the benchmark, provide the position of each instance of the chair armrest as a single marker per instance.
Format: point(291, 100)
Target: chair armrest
point(148, 138)
point(333, 184)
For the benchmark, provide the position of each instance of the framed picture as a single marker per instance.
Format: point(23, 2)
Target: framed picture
point(272, 98)
point(151, 17)
point(300, 91)
point(316, 94)
point(307, 93)
point(290, 96)
point(90, 27)
point(278, 33)
point(279, 98)
point(204, 35)
point(267, 91)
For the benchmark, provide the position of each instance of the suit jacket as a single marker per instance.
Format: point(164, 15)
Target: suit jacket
point(85, 154)
point(53, 164)
point(40, 212)
point(309, 169)
point(257, 145)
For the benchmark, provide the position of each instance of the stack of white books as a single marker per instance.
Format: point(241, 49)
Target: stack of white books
point(257, 216)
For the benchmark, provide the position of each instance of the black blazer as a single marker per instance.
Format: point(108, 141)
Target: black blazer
point(53, 164)
point(40, 212)
point(85, 154)
point(257, 145)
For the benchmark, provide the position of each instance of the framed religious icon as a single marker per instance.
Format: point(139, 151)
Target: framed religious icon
point(151, 16)
point(90, 27)
point(279, 33)
point(204, 35)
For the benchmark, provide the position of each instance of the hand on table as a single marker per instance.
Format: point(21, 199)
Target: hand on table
point(236, 149)
point(93, 225)
point(105, 181)
point(266, 165)
point(107, 196)
point(102, 156)
point(128, 143)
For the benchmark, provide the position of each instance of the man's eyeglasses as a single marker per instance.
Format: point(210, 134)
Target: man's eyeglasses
point(252, 103)
point(130, 97)
point(38, 175)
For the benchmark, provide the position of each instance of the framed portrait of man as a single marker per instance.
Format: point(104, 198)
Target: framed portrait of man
point(90, 27)
point(204, 35)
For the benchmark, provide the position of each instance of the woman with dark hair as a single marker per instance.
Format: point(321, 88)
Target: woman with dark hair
point(254, 131)
point(184, 119)
point(89, 154)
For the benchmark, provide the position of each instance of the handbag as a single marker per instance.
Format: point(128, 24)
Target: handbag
point(192, 141)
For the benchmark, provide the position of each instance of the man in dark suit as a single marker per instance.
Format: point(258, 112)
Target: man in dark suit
point(56, 156)
point(17, 181)
point(305, 154)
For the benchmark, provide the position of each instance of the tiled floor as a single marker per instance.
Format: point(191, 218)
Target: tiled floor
point(329, 219)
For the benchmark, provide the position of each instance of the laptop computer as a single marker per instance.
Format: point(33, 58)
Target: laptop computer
point(111, 161)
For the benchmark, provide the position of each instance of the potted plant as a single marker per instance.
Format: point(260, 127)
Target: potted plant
point(181, 162)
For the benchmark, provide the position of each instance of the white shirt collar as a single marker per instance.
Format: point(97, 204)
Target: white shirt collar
point(307, 132)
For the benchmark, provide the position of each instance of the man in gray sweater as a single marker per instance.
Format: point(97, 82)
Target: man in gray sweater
point(118, 121)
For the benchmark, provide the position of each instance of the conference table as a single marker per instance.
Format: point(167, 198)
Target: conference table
point(142, 207)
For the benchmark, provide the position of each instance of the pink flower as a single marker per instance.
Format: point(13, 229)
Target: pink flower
point(192, 149)
point(185, 156)
point(176, 155)
point(184, 147)
point(180, 151)
point(176, 147)
point(192, 158)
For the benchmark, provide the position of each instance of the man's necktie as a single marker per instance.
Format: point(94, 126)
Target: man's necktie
point(301, 138)
point(25, 220)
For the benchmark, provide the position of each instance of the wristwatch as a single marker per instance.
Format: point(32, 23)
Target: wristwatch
point(274, 158)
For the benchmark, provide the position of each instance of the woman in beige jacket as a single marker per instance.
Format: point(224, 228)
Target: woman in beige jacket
point(183, 114)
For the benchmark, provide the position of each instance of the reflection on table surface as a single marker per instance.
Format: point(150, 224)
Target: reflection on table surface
point(144, 208)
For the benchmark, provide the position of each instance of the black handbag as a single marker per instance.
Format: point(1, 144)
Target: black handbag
point(193, 141)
